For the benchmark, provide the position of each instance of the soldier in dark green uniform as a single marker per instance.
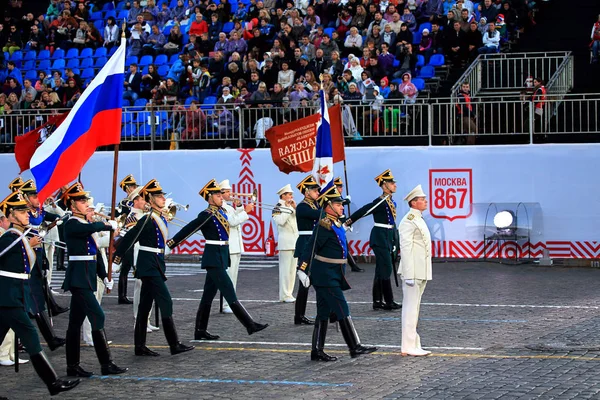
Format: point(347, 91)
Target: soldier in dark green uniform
point(80, 280)
point(151, 232)
point(16, 263)
point(339, 184)
point(215, 260)
point(307, 216)
point(326, 253)
point(384, 240)
point(128, 184)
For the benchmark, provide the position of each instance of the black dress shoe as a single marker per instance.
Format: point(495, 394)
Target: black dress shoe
point(378, 305)
point(59, 310)
point(112, 369)
point(302, 320)
point(180, 348)
point(125, 300)
point(320, 355)
point(392, 306)
point(78, 371)
point(256, 327)
point(62, 385)
point(358, 269)
point(144, 351)
point(360, 349)
point(55, 343)
point(205, 335)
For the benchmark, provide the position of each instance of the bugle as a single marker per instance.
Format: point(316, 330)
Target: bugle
point(254, 199)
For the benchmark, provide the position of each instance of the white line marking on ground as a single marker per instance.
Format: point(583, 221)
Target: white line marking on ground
point(383, 346)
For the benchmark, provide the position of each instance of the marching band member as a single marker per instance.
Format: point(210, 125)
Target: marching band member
point(307, 216)
point(284, 215)
point(151, 232)
point(54, 236)
point(15, 266)
point(236, 217)
point(128, 185)
point(383, 240)
point(15, 184)
point(326, 252)
point(7, 348)
point(80, 280)
point(215, 260)
point(415, 247)
point(339, 184)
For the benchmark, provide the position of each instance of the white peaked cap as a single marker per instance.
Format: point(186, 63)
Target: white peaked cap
point(286, 189)
point(224, 185)
point(416, 192)
point(134, 193)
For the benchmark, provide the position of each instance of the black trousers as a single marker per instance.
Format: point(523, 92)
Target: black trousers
point(16, 318)
point(153, 289)
point(217, 280)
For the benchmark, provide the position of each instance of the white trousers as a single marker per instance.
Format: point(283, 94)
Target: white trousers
point(232, 271)
point(87, 327)
point(136, 299)
point(287, 274)
point(50, 256)
point(7, 348)
point(411, 305)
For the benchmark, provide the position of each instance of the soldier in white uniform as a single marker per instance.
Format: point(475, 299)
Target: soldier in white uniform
point(7, 348)
point(236, 216)
point(52, 235)
point(415, 268)
point(284, 215)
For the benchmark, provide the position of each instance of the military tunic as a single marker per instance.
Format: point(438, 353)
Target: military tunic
point(307, 215)
point(384, 235)
point(15, 293)
point(327, 267)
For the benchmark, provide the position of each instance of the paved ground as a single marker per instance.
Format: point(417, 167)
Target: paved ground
point(496, 331)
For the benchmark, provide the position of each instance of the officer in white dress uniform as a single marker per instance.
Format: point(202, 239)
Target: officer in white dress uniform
point(284, 215)
point(7, 348)
point(236, 216)
point(415, 268)
point(52, 235)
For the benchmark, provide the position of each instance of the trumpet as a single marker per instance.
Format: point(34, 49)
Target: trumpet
point(120, 219)
point(254, 199)
point(170, 212)
point(42, 236)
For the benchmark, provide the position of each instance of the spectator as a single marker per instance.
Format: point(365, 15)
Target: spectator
point(328, 46)
point(308, 49)
point(432, 10)
point(482, 26)
point(134, 11)
point(236, 44)
point(81, 13)
point(53, 10)
point(261, 95)
point(408, 61)
point(355, 69)
point(42, 80)
point(491, 40)
point(595, 40)
point(111, 33)
point(151, 9)
point(133, 81)
point(164, 15)
point(352, 95)
point(297, 95)
point(178, 13)
point(318, 63)
point(155, 42)
point(27, 89)
point(389, 36)
point(538, 100)
point(136, 41)
point(71, 93)
point(456, 45)
point(12, 100)
point(226, 96)
point(473, 41)
point(353, 42)
point(174, 41)
point(36, 41)
point(14, 72)
point(70, 74)
point(223, 10)
point(409, 19)
point(466, 116)
point(167, 92)
point(195, 122)
point(285, 77)
point(12, 40)
point(374, 69)
point(12, 86)
point(425, 45)
point(198, 26)
point(215, 27)
point(335, 67)
point(404, 37)
point(488, 11)
point(377, 20)
point(149, 81)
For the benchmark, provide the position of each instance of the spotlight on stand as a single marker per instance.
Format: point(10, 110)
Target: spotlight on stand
point(506, 223)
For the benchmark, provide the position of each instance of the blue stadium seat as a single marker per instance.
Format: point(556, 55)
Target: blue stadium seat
point(112, 51)
point(123, 14)
point(31, 75)
point(167, 29)
point(126, 117)
point(100, 52)
point(163, 70)
point(144, 131)
point(173, 59)
point(99, 24)
point(145, 70)
point(100, 61)
point(76, 71)
point(424, 25)
point(437, 60)
point(427, 72)
point(210, 100)
point(43, 54)
point(121, 5)
point(96, 16)
point(126, 103)
point(419, 83)
point(131, 60)
point(189, 100)
point(30, 55)
point(17, 56)
point(28, 65)
point(73, 63)
point(72, 53)
point(44, 65)
point(228, 26)
point(329, 31)
point(58, 64)
point(146, 60)
point(417, 37)
point(140, 104)
point(397, 81)
point(161, 59)
point(110, 13)
point(234, 6)
point(129, 130)
point(185, 38)
point(87, 63)
point(87, 73)
point(420, 61)
point(108, 6)
point(86, 53)
point(58, 54)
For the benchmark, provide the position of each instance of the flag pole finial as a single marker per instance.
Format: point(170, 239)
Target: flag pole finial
point(124, 26)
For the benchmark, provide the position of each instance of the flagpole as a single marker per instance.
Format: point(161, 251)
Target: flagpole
point(345, 167)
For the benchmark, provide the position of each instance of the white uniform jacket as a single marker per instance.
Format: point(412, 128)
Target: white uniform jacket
point(236, 217)
point(415, 247)
point(287, 228)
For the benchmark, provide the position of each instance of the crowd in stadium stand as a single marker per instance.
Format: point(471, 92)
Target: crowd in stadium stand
point(251, 52)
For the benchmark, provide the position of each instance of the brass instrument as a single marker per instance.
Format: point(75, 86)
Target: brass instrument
point(42, 235)
point(120, 219)
point(254, 199)
point(170, 212)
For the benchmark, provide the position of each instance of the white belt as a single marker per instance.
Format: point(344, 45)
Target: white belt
point(305, 232)
point(82, 258)
point(331, 260)
point(217, 242)
point(386, 226)
point(152, 249)
point(14, 275)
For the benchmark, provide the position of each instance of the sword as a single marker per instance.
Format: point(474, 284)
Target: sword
point(374, 207)
point(14, 243)
point(16, 344)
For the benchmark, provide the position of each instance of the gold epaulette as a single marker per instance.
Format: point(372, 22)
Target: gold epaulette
point(276, 211)
point(325, 223)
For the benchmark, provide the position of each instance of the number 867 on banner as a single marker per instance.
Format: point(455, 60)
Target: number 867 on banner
point(451, 195)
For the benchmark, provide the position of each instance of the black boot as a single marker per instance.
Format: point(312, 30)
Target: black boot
point(139, 339)
point(103, 353)
point(73, 355)
point(48, 375)
point(202, 315)
point(318, 343)
point(246, 319)
point(123, 288)
point(172, 339)
point(55, 309)
point(377, 297)
point(353, 265)
point(388, 295)
point(301, 299)
point(47, 331)
point(352, 340)
point(60, 259)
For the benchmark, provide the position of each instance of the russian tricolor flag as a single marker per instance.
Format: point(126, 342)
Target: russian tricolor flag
point(94, 121)
point(323, 166)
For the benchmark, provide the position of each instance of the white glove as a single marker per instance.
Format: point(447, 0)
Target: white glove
point(59, 222)
point(410, 282)
point(116, 267)
point(349, 198)
point(113, 224)
point(108, 284)
point(99, 207)
point(167, 250)
point(348, 228)
point(304, 279)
